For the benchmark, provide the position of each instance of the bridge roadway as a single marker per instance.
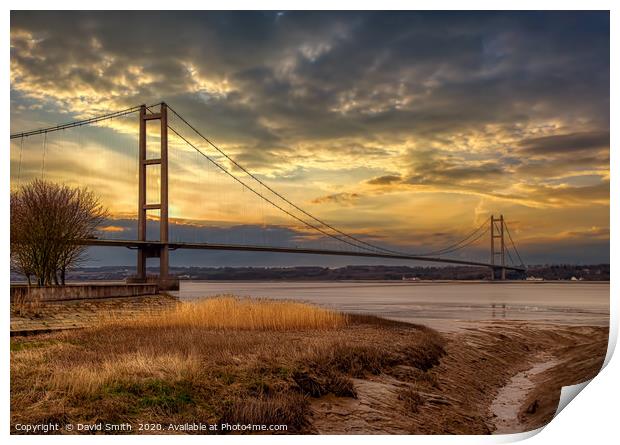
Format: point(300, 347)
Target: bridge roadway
point(156, 245)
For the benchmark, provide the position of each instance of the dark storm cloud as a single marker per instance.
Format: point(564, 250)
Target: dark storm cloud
point(431, 167)
point(266, 85)
point(217, 233)
point(248, 234)
point(384, 180)
point(566, 143)
point(560, 165)
point(327, 75)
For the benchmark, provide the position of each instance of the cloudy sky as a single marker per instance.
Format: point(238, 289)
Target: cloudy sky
point(408, 129)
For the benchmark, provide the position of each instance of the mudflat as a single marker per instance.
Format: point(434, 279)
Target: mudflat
point(502, 377)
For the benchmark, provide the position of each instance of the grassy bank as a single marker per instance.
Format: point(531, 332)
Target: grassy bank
point(218, 361)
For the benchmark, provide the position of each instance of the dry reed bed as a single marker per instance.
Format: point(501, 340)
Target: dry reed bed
point(233, 313)
point(218, 360)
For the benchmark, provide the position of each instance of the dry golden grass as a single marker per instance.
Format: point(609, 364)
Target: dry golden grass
point(24, 306)
point(234, 313)
point(217, 360)
point(88, 378)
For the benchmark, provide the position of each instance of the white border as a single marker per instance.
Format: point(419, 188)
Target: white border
point(591, 418)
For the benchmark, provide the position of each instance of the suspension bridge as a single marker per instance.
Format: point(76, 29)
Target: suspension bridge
point(181, 143)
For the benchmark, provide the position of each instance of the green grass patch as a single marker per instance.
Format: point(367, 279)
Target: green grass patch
point(21, 345)
point(153, 393)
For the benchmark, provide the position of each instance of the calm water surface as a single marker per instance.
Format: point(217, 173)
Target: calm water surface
point(438, 304)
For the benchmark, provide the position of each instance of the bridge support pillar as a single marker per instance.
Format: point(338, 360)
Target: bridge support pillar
point(497, 232)
point(166, 282)
point(141, 269)
point(141, 266)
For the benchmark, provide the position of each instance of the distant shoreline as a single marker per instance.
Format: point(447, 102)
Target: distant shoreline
point(387, 282)
point(594, 272)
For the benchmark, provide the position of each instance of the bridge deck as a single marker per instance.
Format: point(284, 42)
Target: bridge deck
point(252, 248)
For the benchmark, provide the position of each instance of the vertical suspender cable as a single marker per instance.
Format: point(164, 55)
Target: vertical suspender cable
point(19, 166)
point(43, 160)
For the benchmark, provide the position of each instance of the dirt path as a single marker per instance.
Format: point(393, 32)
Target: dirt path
point(37, 318)
point(509, 400)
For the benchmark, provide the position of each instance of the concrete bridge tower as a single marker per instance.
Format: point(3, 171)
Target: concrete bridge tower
point(498, 249)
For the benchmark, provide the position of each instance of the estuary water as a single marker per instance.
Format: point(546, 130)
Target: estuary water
point(437, 304)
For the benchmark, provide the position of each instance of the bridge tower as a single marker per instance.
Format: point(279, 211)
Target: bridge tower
point(158, 249)
point(498, 248)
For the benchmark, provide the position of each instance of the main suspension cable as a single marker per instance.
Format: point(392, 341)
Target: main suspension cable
point(323, 223)
point(314, 227)
point(484, 232)
point(453, 247)
point(513, 245)
point(447, 249)
point(79, 123)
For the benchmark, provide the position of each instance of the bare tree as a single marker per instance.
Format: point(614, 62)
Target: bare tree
point(47, 220)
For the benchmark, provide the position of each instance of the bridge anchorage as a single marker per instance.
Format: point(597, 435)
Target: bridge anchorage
point(501, 244)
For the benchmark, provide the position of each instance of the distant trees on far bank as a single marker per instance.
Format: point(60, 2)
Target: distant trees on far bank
point(46, 221)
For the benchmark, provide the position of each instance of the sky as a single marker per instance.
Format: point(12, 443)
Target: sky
point(407, 129)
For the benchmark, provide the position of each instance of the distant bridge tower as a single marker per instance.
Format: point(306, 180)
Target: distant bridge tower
point(498, 249)
point(157, 249)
